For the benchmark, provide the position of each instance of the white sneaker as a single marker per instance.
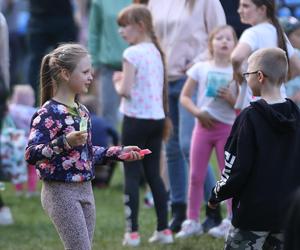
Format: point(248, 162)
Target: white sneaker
point(189, 228)
point(222, 230)
point(163, 237)
point(131, 239)
point(6, 216)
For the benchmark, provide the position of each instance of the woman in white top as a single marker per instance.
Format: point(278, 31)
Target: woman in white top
point(183, 26)
point(265, 32)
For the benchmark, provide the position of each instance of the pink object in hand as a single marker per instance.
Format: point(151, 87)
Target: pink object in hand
point(142, 152)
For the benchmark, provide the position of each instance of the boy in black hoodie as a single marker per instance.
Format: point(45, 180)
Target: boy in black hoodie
point(261, 158)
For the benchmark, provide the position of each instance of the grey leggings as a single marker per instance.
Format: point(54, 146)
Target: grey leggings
point(71, 208)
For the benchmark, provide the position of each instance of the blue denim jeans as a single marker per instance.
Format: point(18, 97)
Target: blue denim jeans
point(109, 99)
point(178, 147)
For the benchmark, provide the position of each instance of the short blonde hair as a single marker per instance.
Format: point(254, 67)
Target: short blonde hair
point(23, 94)
point(272, 62)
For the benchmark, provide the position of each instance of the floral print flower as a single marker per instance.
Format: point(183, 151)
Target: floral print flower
point(69, 120)
point(67, 164)
point(47, 151)
point(49, 122)
point(77, 178)
point(36, 121)
point(61, 109)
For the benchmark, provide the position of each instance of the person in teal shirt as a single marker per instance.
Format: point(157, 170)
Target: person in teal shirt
point(106, 47)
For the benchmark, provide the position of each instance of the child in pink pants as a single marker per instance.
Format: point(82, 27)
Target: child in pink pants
point(214, 115)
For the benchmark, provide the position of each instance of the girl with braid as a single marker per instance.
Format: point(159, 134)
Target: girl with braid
point(142, 86)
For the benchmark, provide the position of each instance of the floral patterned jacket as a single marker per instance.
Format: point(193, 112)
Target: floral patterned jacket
point(49, 151)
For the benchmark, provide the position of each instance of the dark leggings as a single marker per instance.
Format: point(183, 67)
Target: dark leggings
point(145, 134)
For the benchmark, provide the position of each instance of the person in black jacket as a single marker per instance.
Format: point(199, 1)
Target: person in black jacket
point(292, 224)
point(261, 158)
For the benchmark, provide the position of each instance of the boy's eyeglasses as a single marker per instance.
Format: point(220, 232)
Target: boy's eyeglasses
point(247, 74)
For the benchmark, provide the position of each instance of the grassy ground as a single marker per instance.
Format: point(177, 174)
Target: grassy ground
point(33, 230)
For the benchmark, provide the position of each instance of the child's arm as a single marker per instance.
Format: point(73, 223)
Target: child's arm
point(116, 153)
point(43, 143)
point(187, 102)
point(186, 96)
point(241, 52)
point(123, 81)
point(239, 158)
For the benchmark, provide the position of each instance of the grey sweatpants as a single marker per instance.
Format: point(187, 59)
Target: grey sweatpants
point(71, 208)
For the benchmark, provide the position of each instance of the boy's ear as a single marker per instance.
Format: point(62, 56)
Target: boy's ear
point(65, 75)
point(260, 77)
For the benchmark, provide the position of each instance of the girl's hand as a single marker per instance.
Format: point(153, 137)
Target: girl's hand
point(117, 77)
point(77, 138)
point(226, 94)
point(133, 151)
point(238, 77)
point(205, 119)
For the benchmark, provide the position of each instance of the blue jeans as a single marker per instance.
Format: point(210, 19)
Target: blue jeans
point(109, 99)
point(178, 147)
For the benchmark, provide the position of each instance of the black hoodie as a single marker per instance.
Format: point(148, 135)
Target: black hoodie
point(262, 165)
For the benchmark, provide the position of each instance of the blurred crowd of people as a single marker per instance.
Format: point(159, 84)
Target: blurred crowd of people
point(186, 31)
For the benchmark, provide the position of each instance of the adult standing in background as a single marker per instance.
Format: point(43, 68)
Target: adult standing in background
point(5, 213)
point(182, 27)
point(232, 16)
point(106, 47)
point(4, 50)
point(51, 22)
point(265, 32)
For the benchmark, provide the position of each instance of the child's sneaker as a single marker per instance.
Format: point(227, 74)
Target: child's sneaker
point(131, 239)
point(189, 228)
point(6, 216)
point(222, 230)
point(163, 237)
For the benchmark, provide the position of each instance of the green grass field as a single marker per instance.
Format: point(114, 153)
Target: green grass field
point(33, 230)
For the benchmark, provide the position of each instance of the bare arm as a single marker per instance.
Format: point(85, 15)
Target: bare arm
point(123, 82)
point(187, 102)
point(295, 65)
point(186, 96)
point(241, 52)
